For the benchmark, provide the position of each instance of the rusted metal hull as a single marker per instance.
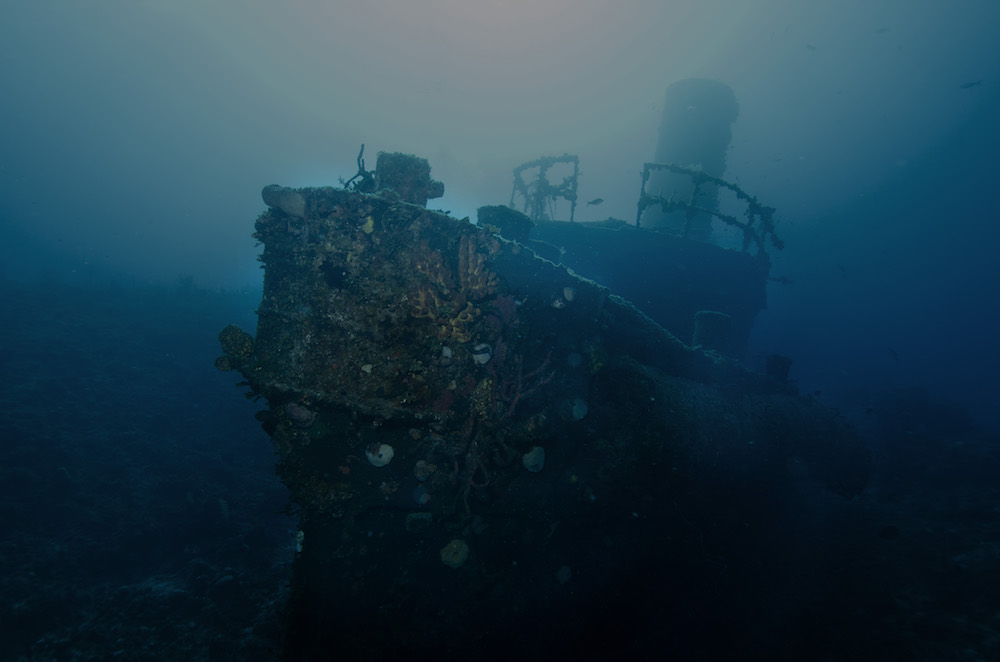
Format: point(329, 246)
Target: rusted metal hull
point(383, 324)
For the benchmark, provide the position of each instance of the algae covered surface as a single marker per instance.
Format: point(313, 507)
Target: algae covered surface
point(465, 426)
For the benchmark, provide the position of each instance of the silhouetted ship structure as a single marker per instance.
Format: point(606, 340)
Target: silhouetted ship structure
point(491, 452)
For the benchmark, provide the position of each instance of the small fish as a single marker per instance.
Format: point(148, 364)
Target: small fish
point(595, 201)
point(893, 353)
point(974, 83)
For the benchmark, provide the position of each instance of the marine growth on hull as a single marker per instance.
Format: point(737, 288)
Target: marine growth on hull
point(469, 430)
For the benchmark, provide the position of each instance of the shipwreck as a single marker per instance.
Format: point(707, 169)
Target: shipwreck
point(488, 450)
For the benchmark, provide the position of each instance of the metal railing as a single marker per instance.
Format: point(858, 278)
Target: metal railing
point(758, 223)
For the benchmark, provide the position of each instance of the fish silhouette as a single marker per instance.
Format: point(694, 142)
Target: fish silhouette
point(595, 201)
point(974, 83)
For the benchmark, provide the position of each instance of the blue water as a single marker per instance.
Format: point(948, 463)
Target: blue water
point(140, 517)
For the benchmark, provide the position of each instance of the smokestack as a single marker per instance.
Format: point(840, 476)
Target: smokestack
point(695, 133)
